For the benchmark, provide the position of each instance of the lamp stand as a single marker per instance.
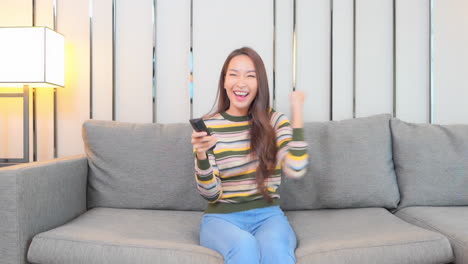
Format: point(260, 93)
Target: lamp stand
point(25, 159)
point(34, 96)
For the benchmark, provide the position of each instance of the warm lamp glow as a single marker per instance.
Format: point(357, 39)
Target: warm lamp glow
point(31, 56)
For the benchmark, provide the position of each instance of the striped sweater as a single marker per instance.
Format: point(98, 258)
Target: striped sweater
point(227, 177)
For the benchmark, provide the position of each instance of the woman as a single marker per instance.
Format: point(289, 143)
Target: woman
point(253, 146)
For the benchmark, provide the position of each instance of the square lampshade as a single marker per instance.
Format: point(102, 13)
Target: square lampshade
point(33, 56)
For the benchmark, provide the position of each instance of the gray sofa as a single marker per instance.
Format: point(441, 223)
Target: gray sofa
point(378, 190)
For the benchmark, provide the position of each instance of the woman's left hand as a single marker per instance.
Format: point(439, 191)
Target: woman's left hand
point(297, 102)
point(297, 99)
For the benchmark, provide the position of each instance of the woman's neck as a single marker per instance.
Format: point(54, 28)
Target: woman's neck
point(236, 112)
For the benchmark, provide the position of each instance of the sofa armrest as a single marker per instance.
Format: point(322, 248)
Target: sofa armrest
point(36, 197)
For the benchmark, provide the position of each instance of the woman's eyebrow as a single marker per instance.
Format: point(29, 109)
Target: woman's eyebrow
point(238, 70)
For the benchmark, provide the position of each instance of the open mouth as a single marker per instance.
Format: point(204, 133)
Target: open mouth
point(241, 94)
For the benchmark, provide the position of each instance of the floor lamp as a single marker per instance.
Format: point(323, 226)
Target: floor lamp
point(31, 57)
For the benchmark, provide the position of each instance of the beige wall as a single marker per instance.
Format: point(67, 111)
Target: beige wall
point(220, 26)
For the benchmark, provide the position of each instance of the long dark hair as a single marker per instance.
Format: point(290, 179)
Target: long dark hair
point(262, 134)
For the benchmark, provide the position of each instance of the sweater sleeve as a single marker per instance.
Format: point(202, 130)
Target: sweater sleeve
point(292, 148)
point(207, 178)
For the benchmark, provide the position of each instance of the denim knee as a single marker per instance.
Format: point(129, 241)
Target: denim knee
point(280, 253)
point(247, 246)
point(275, 248)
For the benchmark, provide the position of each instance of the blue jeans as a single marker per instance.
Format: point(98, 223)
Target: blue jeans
point(261, 235)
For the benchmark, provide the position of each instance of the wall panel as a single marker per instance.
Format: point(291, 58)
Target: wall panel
point(73, 100)
point(412, 60)
point(220, 27)
point(134, 56)
point(450, 62)
point(101, 59)
point(16, 13)
point(342, 90)
point(284, 55)
point(44, 124)
point(374, 57)
point(172, 61)
point(45, 13)
point(313, 57)
point(11, 128)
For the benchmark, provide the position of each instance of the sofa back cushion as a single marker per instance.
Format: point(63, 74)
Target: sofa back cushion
point(151, 166)
point(350, 166)
point(431, 163)
point(141, 166)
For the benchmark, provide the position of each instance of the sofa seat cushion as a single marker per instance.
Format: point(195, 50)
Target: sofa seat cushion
point(451, 221)
point(364, 235)
point(107, 235)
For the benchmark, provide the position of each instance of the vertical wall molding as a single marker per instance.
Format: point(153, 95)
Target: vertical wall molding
point(34, 117)
point(26, 123)
point(394, 58)
point(34, 110)
point(114, 7)
point(154, 62)
point(55, 147)
point(354, 58)
point(191, 84)
point(294, 47)
point(331, 60)
point(91, 2)
point(33, 13)
point(274, 54)
point(55, 124)
point(55, 14)
point(431, 62)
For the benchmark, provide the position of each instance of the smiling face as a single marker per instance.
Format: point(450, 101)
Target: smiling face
point(240, 84)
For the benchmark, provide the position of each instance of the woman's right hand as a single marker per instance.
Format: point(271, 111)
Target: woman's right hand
point(202, 143)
